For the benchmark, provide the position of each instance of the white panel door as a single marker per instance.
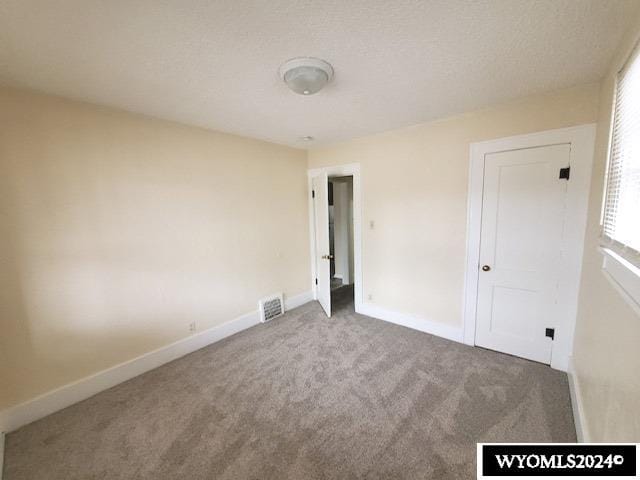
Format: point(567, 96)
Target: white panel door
point(521, 243)
point(323, 264)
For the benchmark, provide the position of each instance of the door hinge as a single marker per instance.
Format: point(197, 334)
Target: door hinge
point(565, 173)
point(550, 332)
point(316, 281)
point(313, 194)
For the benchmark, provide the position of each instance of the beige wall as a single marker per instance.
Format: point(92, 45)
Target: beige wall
point(607, 341)
point(414, 188)
point(117, 231)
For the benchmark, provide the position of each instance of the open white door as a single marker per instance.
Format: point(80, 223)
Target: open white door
point(321, 208)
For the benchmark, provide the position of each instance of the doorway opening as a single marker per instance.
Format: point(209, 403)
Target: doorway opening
point(341, 264)
point(335, 236)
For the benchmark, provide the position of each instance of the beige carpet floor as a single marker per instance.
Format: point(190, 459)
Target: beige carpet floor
point(303, 397)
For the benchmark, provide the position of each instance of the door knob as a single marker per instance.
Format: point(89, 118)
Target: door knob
point(328, 257)
point(486, 268)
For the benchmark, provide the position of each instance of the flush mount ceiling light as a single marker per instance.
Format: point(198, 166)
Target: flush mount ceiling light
point(306, 75)
point(307, 138)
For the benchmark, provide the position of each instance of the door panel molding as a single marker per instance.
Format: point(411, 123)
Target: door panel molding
point(581, 138)
point(350, 169)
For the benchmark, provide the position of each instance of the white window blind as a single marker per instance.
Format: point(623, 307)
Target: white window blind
point(621, 212)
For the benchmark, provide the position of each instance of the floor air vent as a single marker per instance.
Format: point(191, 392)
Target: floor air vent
point(271, 307)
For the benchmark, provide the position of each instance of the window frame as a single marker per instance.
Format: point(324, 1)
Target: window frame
point(620, 263)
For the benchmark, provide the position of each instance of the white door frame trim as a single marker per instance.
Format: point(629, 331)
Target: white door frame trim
point(581, 139)
point(350, 169)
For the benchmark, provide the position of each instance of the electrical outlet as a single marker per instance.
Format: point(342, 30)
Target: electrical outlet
point(372, 224)
point(370, 297)
point(192, 327)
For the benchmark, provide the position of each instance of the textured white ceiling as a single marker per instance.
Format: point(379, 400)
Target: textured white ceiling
point(214, 63)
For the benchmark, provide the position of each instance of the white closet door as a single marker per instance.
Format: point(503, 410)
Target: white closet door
point(523, 215)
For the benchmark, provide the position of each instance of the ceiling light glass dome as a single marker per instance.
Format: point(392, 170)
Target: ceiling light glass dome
point(306, 75)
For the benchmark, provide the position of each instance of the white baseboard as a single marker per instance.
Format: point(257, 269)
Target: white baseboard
point(65, 396)
point(410, 321)
point(1, 453)
point(297, 300)
point(577, 405)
